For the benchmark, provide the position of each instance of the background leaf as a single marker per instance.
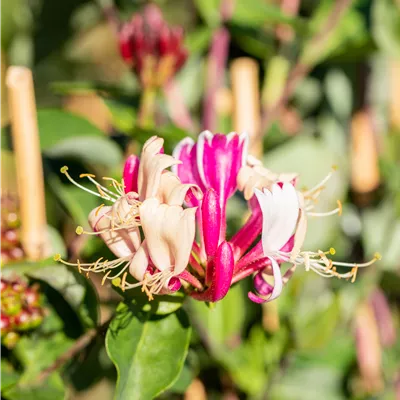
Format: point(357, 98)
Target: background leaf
point(147, 352)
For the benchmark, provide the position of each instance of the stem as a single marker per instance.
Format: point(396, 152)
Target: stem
point(176, 106)
point(28, 158)
point(73, 351)
point(147, 108)
point(302, 68)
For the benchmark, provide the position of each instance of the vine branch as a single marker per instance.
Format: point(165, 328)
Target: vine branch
point(301, 69)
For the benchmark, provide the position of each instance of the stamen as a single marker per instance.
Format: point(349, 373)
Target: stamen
point(105, 277)
point(323, 266)
point(322, 183)
point(123, 281)
point(64, 170)
point(117, 185)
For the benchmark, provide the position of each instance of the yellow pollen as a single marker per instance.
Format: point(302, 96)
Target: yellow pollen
point(64, 169)
point(335, 167)
point(87, 176)
point(79, 230)
point(339, 203)
point(378, 256)
point(332, 251)
point(57, 257)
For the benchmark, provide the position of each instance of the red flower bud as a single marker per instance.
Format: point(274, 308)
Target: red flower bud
point(5, 324)
point(32, 297)
point(153, 49)
point(22, 320)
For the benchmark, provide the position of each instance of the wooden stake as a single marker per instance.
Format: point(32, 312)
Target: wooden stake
point(28, 161)
point(394, 94)
point(246, 101)
point(364, 155)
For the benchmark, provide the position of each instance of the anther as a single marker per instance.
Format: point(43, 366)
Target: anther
point(79, 230)
point(123, 281)
point(64, 169)
point(57, 257)
point(339, 203)
point(332, 251)
point(105, 277)
point(378, 256)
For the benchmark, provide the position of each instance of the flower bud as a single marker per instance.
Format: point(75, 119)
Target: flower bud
point(32, 297)
point(22, 320)
point(10, 339)
point(36, 317)
point(5, 324)
point(153, 49)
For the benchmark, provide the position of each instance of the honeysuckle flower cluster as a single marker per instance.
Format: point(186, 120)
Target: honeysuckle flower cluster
point(151, 48)
point(21, 309)
point(167, 228)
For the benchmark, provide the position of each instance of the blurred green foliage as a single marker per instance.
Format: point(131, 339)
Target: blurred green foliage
point(312, 352)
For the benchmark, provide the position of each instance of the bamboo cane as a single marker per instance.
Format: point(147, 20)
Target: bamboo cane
point(364, 155)
point(29, 168)
point(246, 101)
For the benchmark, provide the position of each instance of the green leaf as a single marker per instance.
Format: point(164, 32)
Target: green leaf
point(339, 93)
point(56, 241)
point(148, 352)
point(308, 95)
point(36, 354)
point(123, 115)
point(350, 31)
point(77, 202)
point(386, 26)
point(10, 10)
point(184, 380)
point(90, 150)
point(160, 305)
point(198, 40)
point(52, 389)
point(55, 126)
point(381, 234)
point(314, 323)
point(223, 321)
point(9, 376)
point(74, 288)
point(246, 363)
point(209, 11)
point(256, 13)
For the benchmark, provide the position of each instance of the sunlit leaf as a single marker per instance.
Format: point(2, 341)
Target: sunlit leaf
point(148, 352)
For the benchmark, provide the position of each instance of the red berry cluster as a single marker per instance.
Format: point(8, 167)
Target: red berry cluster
point(153, 49)
point(21, 309)
point(11, 249)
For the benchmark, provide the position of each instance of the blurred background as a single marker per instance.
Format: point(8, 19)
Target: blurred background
point(316, 83)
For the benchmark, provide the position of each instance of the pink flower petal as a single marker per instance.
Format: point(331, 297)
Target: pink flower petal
point(130, 174)
point(211, 217)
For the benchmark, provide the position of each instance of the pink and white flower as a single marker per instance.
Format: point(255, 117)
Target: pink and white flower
point(152, 222)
